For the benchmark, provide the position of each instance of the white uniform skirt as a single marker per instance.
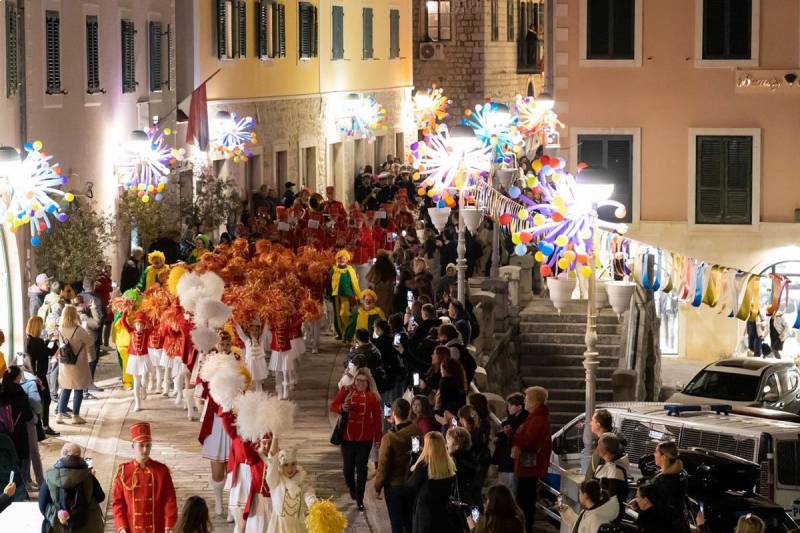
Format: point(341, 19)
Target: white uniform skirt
point(260, 510)
point(258, 367)
point(155, 356)
point(298, 347)
point(218, 444)
point(282, 361)
point(138, 365)
point(241, 490)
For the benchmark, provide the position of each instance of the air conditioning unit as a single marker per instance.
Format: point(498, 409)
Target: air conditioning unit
point(431, 51)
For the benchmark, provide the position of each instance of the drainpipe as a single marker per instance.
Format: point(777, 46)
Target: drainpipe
point(549, 26)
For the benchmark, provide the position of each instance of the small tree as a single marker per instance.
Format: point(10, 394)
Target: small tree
point(152, 220)
point(75, 249)
point(216, 201)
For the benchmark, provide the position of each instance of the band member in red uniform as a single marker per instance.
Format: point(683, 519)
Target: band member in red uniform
point(334, 208)
point(138, 358)
point(143, 496)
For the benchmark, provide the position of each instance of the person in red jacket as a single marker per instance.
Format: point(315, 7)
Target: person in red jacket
point(138, 359)
point(362, 404)
point(530, 450)
point(143, 498)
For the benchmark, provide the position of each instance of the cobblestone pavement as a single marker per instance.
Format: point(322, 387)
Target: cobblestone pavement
point(105, 438)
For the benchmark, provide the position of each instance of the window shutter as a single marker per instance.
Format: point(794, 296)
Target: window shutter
point(394, 33)
point(154, 34)
point(222, 43)
point(315, 36)
point(306, 29)
point(280, 47)
point(708, 207)
point(366, 19)
point(12, 40)
point(494, 20)
point(263, 30)
point(727, 27)
point(92, 55)
point(739, 180)
point(53, 51)
point(598, 18)
point(510, 36)
point(241, 27)
point(337, 32)
point(622, 29)
point(740, 24)
point(128, 57)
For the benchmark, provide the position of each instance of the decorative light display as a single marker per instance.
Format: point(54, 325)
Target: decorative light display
point(430, 108)
point(361, 115)
point(496, 128)
point(146, 163)
point(537, 122)
point(231, 136)
point(445, 163)
point(30, 186)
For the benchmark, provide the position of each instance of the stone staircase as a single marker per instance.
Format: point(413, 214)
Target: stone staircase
point(550, 348)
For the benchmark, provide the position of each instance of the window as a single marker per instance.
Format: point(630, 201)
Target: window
point(437, 14)
point(724, 386)
point(530, 41)
point(510, 35)
point(265, 27)
point(727, 27)
point(241, 28)
point(154, 34)
point(52, 36)
point(222, 28)
point(12, 38)
point(129, 82)
point(337, 32)
point(394, 33)
point(279, 30)
point(610, 160)
point(610, 29)
point(308, 30)
point(366, 22)
point(92, 56)
point(495, 21)
point(231, 28)
point(724, 179)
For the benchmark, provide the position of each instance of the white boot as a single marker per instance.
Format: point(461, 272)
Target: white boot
point(178, 382)
point(191, 406)
point(165, 383)
point(137, 388)
point(143, 386)
point(217, 486)
point(238, 519)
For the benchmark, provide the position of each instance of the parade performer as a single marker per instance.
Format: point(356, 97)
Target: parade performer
point(201, 245)
point(184, 382)
point(365, 316)
point(318, 279)
point(138, 364)
point(143, 497)
point(174, 342)
point(221, 369)
point(291, 490)
point(155, 350)
point(333, 208)
point(344, 291)
point(156, 272)
point(255, 342)
point(283, 358)
point(119, 334)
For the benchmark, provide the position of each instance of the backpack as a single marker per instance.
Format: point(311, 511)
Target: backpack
point(66, 354)
point(74, 501)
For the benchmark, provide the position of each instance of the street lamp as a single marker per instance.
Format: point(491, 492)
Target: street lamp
point(9, 161)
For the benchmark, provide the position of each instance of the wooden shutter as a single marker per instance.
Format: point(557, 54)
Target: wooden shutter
point(12, 40)
point(337, 32)
point(739, 180)
point(510, 35)
point(128, 31)
point(366, 23)
point(263, 30)
point(53, 51)
point(306, 29)
point(622, 29)
point(154, 39)
point(280, 30)
point(610, 29)
point(710, 177)
point(92, 55)
point(315, 35)
point(222, 43)
point(241, 28)
point(495, 20)
point(394, 33)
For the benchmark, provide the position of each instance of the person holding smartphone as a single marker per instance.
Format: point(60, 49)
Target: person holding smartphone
point(501, 514)
point(390, 476)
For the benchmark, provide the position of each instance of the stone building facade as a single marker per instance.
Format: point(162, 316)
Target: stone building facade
point(482, 58)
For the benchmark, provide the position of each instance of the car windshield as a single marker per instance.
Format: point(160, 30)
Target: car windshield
point(724, 386)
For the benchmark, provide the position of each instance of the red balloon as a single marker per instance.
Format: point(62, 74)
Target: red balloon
point(581, 166)
point(525, 237)
point(546, 270)
point(505, 219)
point(545, 159)
point(557, 217)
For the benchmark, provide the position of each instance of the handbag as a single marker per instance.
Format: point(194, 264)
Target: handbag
point(457, 509)
point(337, 435)
point(527, 459)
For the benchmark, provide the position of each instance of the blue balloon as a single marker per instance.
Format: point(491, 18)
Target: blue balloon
point(35, 241)
point(159, 197)
point(520, 249)
point(441, 204)
point(546, 248)
point(514, 191)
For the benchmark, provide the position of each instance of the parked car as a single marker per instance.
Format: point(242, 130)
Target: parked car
point(745, 382)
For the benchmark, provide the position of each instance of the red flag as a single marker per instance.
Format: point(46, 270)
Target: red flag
point(198, 119)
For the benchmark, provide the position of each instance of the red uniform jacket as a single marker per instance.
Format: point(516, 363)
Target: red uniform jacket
point(243, 452)
point(533, 436)
point(189, 354)
point(364, 417)
point(155, 340)
point(139, 339)
point(281, 337)
point(144, 498)
point(173, 342)
point(366, 247)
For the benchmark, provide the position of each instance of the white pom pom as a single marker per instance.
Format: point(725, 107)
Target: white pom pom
point(212, 312)
point(279, 414)
point(212, 286)
point(204, 339)
point(218, 362)
point(225, 387)
point(252, 419)
point(189, 289)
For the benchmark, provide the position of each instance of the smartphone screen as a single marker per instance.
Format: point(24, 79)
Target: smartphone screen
point(415, 444)
point(702, 508)
point(416, 379)
point(476, 514)
point(454, 422)
point(397, 339)
point(88, 461)
point(387, 410)
point(410, 296)
point(11, 477)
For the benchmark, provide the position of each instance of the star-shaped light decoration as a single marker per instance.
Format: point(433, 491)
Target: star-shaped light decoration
point(361, 115)
point(430, 108)
point(537, 122)
point(146, 163)
point(496, 127)
point(232, 135)
point(28, 190)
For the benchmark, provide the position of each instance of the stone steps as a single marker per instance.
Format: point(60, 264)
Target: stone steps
point(560, 383)
point(572, 318)
point(545, 337)
point(575, 328)
point(541, 349)
point(557, 371)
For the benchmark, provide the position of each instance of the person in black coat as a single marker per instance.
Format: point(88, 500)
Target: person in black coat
point(515, 404)
point(132, 270)
point(390, 360)
point(39, 353)
point(429, 320)
point(13, 395)
point(459, 445)
point(654, 516)
point(452, 388)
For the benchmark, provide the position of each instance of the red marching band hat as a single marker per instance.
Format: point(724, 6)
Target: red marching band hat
point(141, 432)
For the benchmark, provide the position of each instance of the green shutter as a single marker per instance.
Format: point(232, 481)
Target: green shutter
point(222, 45)
point(241, 29)
point(307, 31)
point(366, 18)
point(12, 39)
point(610, 29)
point(280, 49)
point(394, 33)
point(337, 32)
point(510, 35)
point(92, 55)
point(128, 32)
point(709, 180)
point(739, 180)
point(494, 21)
point(154, 33)
point(53, 51)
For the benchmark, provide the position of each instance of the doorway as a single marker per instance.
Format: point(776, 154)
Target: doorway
point(400, 145)
point(308, 167)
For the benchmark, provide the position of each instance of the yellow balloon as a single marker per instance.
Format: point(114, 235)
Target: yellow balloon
point(561, 240)
point(69, 197)
point(539, 256)
point(539, 219)
point(515, 238)
point(536, 165)
point(522, 214)
point(569, 255)
point(558, 201)
point(145, 199)
point(563, 264)
point(586, 271)
point(532, 181)
point(585, 234)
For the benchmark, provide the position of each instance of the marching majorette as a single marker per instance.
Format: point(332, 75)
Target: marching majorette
point(138, 364)
point(282, 361)
point(155, 351)
point(143, 498)
point(255, 343)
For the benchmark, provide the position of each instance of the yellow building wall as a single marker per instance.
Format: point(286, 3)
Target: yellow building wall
point(354, 73)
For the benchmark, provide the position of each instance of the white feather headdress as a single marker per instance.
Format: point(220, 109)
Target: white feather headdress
point(204, 339)
point(212, 312)
point(226, 381)
point(252, 418)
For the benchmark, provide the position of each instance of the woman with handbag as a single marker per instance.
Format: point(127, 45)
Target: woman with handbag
point(39, 352)
point(75, 349)
point(359, 426)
